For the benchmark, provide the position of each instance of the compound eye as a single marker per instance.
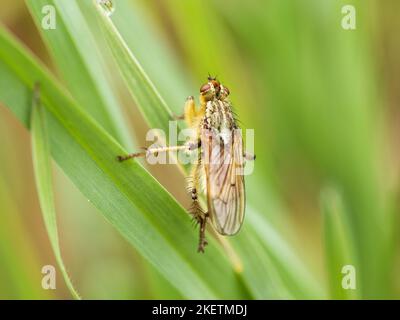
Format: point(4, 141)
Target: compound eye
point(227, 92)
point(204, 88)
point(216, 85)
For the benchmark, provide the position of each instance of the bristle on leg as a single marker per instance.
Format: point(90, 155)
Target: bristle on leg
point(202, 234)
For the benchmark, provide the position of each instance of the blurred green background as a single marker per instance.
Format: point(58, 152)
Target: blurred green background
point(323, 102)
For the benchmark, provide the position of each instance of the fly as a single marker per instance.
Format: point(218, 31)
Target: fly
point(218, 171)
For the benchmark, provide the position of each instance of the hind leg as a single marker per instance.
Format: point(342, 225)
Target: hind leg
point(195, 210)
point(202, 233)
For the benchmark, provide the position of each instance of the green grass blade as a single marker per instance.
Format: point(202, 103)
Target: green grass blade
point(79, 60)
point(153, 107)
point(18, 255)
point(257, 262)
point(339, 249)
point(44, 184)
point(155, 54)
point(291, 272)
point(17, 248)
point(127, 195)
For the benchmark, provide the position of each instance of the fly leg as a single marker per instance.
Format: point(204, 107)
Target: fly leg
point(195, 210)
point(189, 146)
point(202, 233)
point(249, 156)
point(179, 117)
point(200, 217)
point(190, 112)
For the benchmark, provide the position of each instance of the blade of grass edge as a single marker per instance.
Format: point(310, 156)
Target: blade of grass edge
point(72, 40)
point(44, 184)
point(294, 275)
point(339, 249)
point(149, 101)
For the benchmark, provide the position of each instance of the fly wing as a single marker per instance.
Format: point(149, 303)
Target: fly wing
point(223, 165)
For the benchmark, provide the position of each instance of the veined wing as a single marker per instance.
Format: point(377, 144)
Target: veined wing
point(223, 164)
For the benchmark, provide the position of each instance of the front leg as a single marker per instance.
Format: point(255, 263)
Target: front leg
point(189, 146)
point(190, 113)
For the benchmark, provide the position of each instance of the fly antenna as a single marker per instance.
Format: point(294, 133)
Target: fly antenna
point(210, 78)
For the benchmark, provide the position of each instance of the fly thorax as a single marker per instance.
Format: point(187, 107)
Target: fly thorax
point(218, 114)
point(213, 114)
point(219, 119)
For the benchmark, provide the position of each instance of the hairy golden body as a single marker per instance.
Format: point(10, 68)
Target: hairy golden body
point(218, 170)
point(220, 161)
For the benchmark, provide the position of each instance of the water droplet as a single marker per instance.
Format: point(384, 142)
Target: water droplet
point(107, 6)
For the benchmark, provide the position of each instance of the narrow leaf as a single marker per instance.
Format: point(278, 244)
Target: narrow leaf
point(340, 258)
point(147, 98)
point(44, 184)
point(80, 62)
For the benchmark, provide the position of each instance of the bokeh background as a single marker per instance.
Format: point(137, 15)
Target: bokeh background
point(323, 102)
